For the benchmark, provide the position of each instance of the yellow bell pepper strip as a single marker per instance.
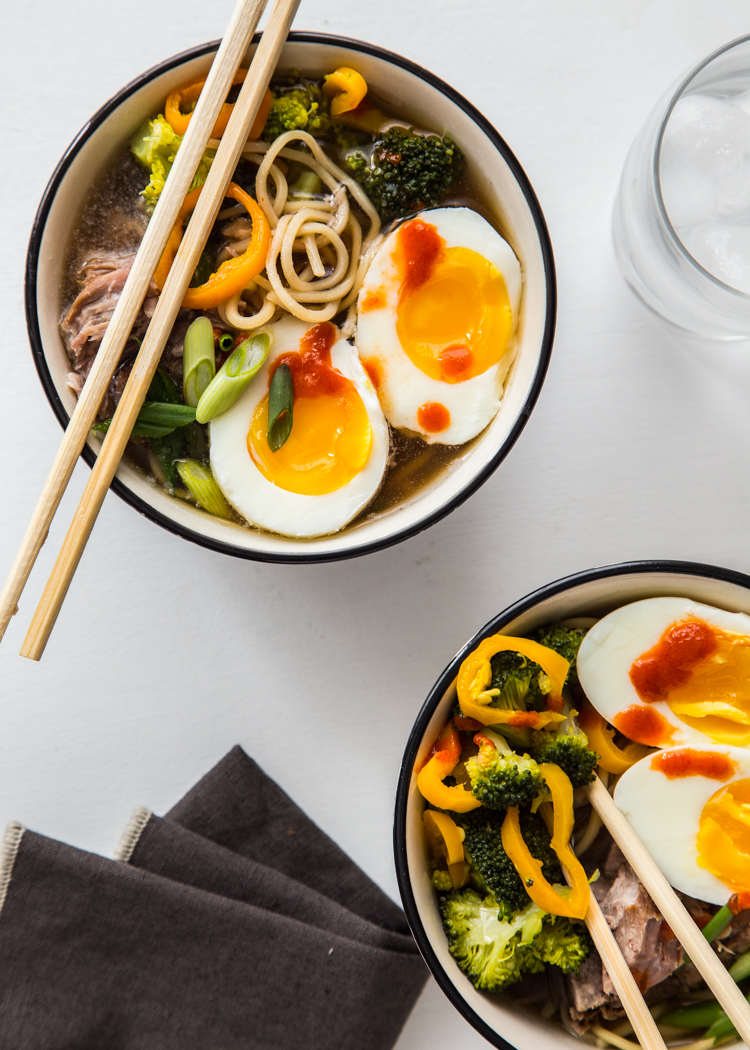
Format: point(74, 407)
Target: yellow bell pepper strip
point(445, 843)
point(601, 739)
point(440, 764)
point(575, 904)
point(233, 274)
point(475, 675)
point(346, 88)
point(188, 94)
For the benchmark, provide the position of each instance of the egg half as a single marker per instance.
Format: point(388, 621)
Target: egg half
point(691, 810)
point(669, 671)
point(437, 316)
point(334, 459)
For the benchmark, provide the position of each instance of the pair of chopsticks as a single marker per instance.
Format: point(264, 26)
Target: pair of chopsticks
point(218, 83)
point(680, 922)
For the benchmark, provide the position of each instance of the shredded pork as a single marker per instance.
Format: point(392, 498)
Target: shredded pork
point(102, 279)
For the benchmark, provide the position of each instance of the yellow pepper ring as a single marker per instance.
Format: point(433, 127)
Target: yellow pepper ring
point(348, 88)
point(188, 94)
point(444, 838)
point(233, 274)
point(444, 796)
point(475, 675)
point(575, 905)
point(601, 739)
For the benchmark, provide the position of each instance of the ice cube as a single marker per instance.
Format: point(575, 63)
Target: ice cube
point(724, 250)
point(689, 197)
point(706, 143)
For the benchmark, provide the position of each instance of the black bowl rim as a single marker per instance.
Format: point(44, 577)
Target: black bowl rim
point(30, 294)
point(678, 568)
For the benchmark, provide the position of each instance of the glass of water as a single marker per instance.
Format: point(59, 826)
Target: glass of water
point(682, 215)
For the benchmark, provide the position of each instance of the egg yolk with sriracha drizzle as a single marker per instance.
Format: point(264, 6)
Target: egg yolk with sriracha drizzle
point(331, 437)
point(454, 317)
point(724, 835)
point(703, 674)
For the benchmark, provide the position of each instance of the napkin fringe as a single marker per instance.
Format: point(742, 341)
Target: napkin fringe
point(8, 853)
point(131, 835)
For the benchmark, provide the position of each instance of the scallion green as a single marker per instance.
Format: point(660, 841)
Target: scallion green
point(226, 342)
point(167, 450)
point(201, 484)
point(695, 1015)
point(233, 376)
point(280, 406)
point(717, 923)
point(164, 388)
point(198, 360)
point(155, 419)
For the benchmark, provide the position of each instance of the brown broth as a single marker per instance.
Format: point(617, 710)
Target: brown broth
point(113, 216)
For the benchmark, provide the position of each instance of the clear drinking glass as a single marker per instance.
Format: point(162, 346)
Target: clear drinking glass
point(656, 263)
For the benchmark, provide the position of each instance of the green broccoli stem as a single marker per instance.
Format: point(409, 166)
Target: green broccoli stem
point(307, 185)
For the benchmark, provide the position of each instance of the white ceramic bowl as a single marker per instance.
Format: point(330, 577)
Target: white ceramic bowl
point(593, 593)
point(429, 103)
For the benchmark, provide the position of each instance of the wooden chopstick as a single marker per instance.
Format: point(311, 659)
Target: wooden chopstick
point(674, 911)
point(168, 305)
point(629, 993)
point(228, 58)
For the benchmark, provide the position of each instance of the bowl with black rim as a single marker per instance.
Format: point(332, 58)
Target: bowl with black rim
point(416, 95)
point(591, 594)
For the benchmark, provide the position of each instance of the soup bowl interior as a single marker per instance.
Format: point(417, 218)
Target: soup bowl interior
point(499, 181)
point(592, 593)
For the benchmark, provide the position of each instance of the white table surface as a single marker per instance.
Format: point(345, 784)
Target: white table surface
point(166, 654)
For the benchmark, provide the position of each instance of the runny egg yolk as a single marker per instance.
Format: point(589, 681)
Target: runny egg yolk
point(703, 673)
point(454, 318)
point(331, 436)
point(724, 835)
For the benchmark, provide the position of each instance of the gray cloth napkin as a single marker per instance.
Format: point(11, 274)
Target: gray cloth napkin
point(234, 923)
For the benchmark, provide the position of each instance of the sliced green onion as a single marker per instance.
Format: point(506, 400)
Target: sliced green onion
point(155, 419)
point(198, 361)
point(718, 923)
point(195, 442)
point(164, 388)
point(226, 342)
point(202, 486)
point(715, 925)
point(233, 376)
point(280, 402)
point(167, 450)
point(696, 1015)
point(740, 968)
point(722, 1027)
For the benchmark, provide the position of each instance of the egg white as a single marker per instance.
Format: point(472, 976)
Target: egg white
point(255, 497)
point(612, 645)
point(665, 815)
point(404, 388)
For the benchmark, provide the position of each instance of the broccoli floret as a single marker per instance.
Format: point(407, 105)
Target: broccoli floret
point(522, 683)
point(501, 778)
point(301, 107)
point(492, 867)
point(567, 747)
point(407, 171)
point(495, 947)
point(564, 640)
